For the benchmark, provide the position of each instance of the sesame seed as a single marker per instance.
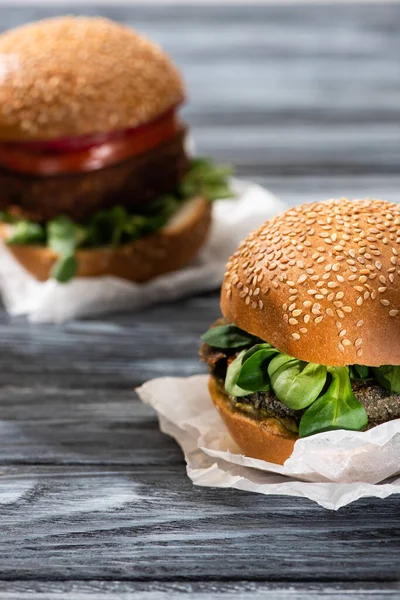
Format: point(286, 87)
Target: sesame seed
point(295, 336)
point(384, 302)
point(302, 278)
point(329, 312)
point(359, 352)
point(360, 323)
point(381, 290)
point(297, 312)
point(318, 319)
point(303, 330)
point(341, 347)
point(393, 312)
point(306, 318)
point(346, 342)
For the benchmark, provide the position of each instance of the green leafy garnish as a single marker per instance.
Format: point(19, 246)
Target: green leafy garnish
point(296, 383)
point(228, 336)
point(388, 376)
point(336, 409)
point(254, 372)
point(25, 232)
point(64, 237)
point(232, 375)
point(359, 372)
point(205, 179)
point(65, 268)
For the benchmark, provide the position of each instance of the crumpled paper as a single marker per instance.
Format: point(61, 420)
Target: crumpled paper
point(333, 468)
point(50, 301)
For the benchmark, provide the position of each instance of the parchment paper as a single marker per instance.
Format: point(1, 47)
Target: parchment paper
point(332, 469)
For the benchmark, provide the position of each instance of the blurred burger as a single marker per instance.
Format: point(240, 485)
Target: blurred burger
point(310, 339)
point(94, 177)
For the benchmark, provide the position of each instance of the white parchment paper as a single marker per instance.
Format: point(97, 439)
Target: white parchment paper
point(333, 468)
point(54, 302)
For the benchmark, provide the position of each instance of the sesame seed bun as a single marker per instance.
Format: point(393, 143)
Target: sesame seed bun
point(321, 282)
point(265, 439)
point(74, 76)
point(169, 249)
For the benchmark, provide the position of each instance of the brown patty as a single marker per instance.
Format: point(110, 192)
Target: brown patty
point(380, 405)
point(131, 183)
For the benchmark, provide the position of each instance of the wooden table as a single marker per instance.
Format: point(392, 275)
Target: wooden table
point(94, 500)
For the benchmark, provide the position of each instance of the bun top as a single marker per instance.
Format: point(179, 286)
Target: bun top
point(74, 76)
point(321, 282)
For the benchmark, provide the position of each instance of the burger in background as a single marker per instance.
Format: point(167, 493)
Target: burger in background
point(310, 339)
point(94, 176)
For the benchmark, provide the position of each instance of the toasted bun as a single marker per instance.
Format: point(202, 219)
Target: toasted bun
point(267, 439)
point(170, 249)
point(321, 282)
point(72, 76)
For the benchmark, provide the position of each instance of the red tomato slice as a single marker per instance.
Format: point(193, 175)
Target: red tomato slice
point(87, 153)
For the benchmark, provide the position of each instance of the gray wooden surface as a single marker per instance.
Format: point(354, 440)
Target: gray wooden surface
point(94, 500)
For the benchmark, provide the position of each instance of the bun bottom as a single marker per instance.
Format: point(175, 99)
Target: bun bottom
point(267, 439)
point(169, 249)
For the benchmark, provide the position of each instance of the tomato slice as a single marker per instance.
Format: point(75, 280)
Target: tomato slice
point(87, 153)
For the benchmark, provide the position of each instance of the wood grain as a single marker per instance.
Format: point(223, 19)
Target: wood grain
point(94, 500)
point(150, 523)
point(117, 590)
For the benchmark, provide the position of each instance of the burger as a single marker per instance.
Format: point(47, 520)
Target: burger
point(309, 341)
point(94, 175)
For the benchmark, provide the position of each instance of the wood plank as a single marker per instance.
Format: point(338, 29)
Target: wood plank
point(152, 524)
point(210, 590)
point(96, 427)
point(121, 351)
